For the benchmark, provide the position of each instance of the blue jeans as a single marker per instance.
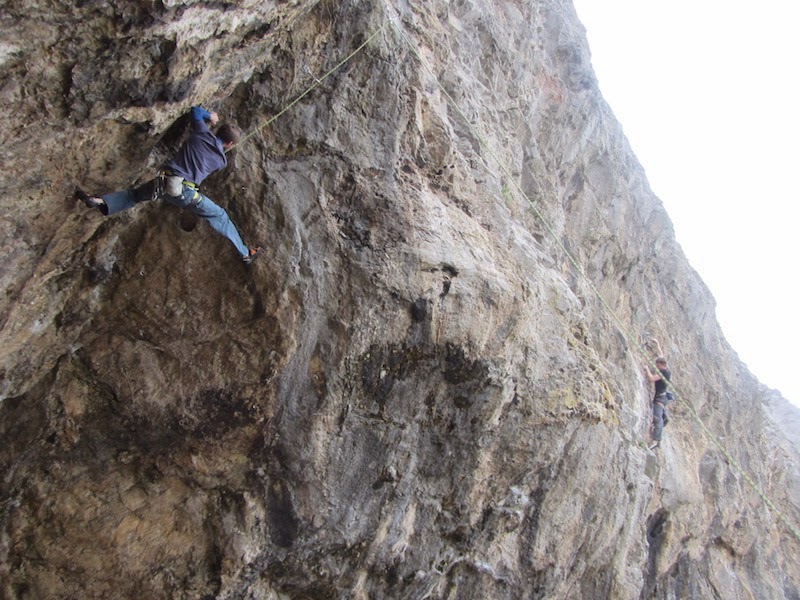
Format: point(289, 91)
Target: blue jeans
point(214, 214)
point(119, 201)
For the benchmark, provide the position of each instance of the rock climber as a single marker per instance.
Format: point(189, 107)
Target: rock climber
point(201, 154)
point(661, 397)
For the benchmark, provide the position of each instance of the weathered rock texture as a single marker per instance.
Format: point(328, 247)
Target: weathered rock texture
point(416, 394)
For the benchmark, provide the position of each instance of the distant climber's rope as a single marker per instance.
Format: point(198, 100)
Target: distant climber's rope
point(620, 325)
point(312, 87)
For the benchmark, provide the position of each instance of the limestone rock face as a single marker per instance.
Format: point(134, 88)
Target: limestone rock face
point(429, 387)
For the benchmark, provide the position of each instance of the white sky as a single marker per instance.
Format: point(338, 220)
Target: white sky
point(708, 94)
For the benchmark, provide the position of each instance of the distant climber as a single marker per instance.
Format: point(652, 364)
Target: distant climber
point(201, 154)
point(662, 395)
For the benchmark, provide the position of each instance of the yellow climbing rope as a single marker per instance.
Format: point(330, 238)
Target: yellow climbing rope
point(315, 85)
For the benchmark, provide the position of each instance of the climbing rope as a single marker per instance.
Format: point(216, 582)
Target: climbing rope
point(317, 82)
point(633, 343)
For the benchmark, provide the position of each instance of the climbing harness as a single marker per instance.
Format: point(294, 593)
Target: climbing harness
point(197, 197)
point(168, 182)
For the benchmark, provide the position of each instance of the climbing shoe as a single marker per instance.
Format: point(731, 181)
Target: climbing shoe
point(654, 445)
point(87, 199)
point(252, 254)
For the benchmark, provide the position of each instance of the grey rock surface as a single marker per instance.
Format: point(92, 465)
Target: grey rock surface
point(429, 387)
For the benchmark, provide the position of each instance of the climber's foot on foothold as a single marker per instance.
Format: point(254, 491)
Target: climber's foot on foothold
point(252, 254)
point(88, 200)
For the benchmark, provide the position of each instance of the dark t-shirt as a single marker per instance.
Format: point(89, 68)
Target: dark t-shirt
point(202, 154)
point(661, 384)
